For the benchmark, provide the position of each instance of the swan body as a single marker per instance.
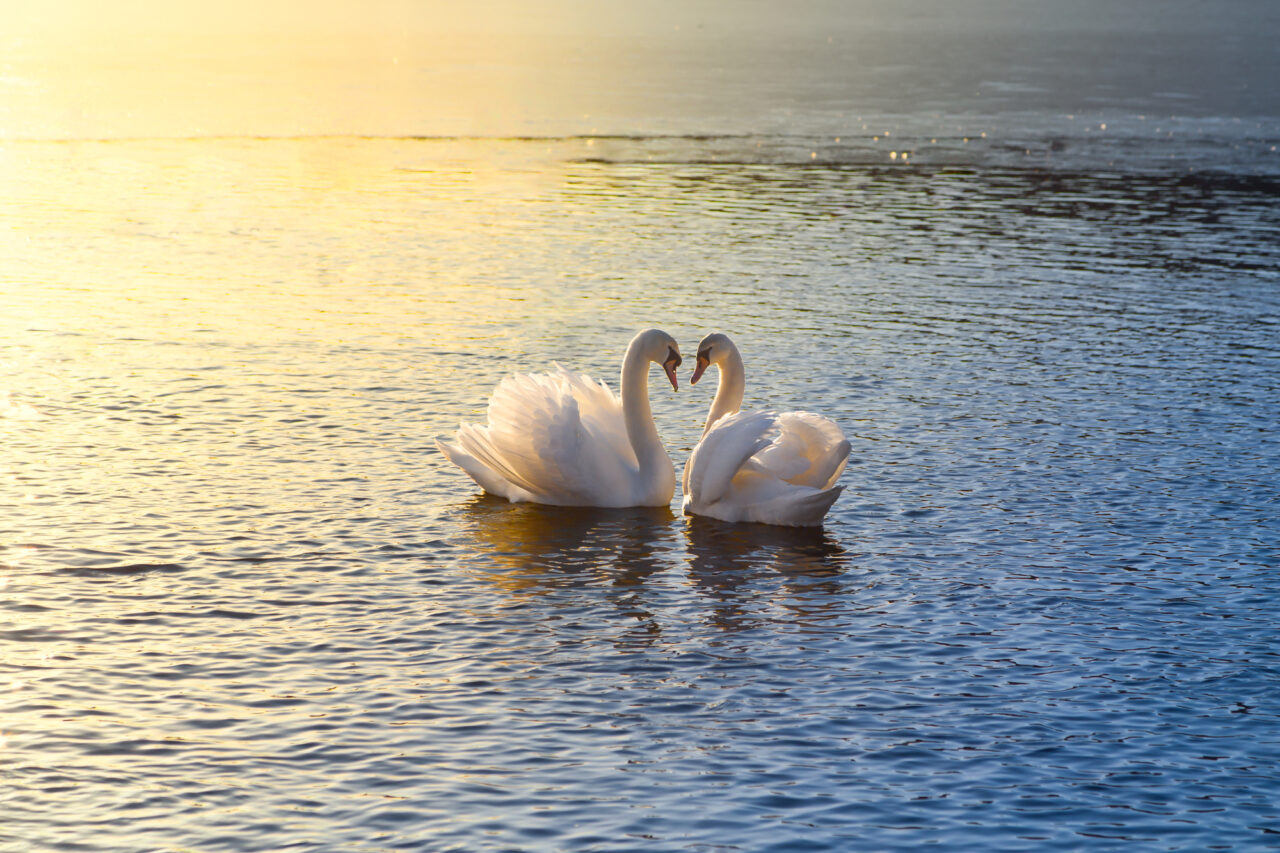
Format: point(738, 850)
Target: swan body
point(766, 467)
point(566, 439)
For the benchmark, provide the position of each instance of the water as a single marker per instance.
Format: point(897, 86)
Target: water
point(245, 605)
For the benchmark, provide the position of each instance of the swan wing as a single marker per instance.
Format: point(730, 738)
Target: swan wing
point(723, 452)
point(600, 412)
point(809, 450)
point(556, 438)
point(533, 438)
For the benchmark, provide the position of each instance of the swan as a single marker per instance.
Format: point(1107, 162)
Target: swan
point(767, 467)
point(565, 439)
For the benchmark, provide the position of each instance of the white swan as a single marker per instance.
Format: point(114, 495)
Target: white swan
point(768, 467)
point(565, 439)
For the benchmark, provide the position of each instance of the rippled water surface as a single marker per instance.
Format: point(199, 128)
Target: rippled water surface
point(247, 606)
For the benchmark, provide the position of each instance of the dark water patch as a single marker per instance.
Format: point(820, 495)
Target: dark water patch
point(223, 613)
point(41, 634)
point(24, 607)
point(123, 570)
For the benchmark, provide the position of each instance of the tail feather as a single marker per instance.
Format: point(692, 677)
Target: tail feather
point(799, 510)
point(485, 478)
point(474, 442)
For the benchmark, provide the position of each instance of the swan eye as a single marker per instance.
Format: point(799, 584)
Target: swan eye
point(705, 355)
point(673, 358)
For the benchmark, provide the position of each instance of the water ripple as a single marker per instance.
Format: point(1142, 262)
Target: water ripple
point(247, 606)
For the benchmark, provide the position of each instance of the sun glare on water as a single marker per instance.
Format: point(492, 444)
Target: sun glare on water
point(83, 70)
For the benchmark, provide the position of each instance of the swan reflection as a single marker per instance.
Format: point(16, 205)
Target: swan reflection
point(742, 574)
point(536, 545)
point(726, 562)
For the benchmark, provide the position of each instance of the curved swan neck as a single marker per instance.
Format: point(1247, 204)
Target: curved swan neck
point(641, 430)
point(731, 388)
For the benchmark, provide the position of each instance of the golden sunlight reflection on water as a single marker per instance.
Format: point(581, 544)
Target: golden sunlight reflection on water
point(534, 545)
point(300, 239)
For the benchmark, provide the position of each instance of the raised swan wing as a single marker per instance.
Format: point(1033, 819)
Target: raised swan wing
point(554, 438)
point(810, 450)
point(723, 452)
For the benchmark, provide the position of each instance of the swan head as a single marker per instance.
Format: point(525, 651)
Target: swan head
point(670, 364)
point(659, 347)
point(713, 349)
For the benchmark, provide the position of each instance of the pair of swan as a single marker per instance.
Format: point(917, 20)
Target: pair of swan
point(565, 439)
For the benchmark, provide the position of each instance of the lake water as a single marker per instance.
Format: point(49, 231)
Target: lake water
point(245, 605)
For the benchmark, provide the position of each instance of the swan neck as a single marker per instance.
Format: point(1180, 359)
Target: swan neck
point(641, 430)
point(730, 390)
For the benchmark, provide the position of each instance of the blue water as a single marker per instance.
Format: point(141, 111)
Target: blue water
point(246, 606)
